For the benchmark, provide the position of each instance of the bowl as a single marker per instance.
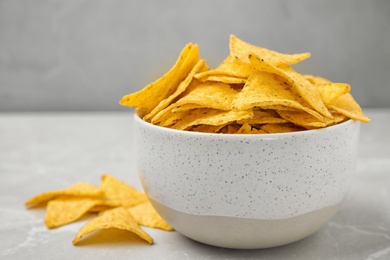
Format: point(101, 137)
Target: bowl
point(246, 191)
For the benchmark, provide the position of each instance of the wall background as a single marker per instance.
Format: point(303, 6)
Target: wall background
point(84, 55)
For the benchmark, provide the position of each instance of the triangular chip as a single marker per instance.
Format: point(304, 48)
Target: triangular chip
point(152, 94)
point(263, 90)
point(147, 216)
point(331, 91)
point(305, 88)
point(120, 193)
point(200, 66)
point(210, 117)
point(348, 106)
point(230, 67)
point(67, 209)
point(118, 218)
point(82, 189)
point(241, 50)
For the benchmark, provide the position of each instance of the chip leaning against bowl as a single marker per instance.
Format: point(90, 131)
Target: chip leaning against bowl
point(244, 173)
point(253, 91)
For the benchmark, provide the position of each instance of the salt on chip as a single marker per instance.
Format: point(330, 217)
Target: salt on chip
point(118, 218)
point(67, 209)
point(147, 216)
point(78, 189)
point(152, 94)
point(305, 88)
point(120, 193)
point(241, 50)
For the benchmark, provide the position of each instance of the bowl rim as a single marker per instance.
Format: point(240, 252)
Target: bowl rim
point(138, 119)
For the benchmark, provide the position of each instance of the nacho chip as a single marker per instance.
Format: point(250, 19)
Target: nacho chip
point(331, 91)
point(264, 117)
point(210, 117)
point(119, 193)
point(302, 118)
point(348, 106)
point(118, 218)
point(225, 79)
point(147, 216)
point(200, 66)
point(150, 96)
point(210, 95)
point(67, 209)
point(83, 189)
point(264, 90)
point(230, 67)
point(316, 80)
point(281, 128)
point(207, 128)
point(244, 129)
point(304, 87)
point(241, 50)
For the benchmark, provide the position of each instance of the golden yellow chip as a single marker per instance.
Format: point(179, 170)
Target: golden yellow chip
point(316, 80)
point(244, 129)
point(305, 88)
point(193, 97)
point(281, 128)
point(241, 50)
point(207, 128)
point(226, 79)
point(264, 90)
point(185, 107)
point(302, 118)
point(154, 93)
point(206, 95)
point(118, 218)
point(120, 193)
point(347, 106)
point(83, 189)
point(200, 66)
point(263, 117)
point(147, 216)
point(67, 209)
point(210, 117)
point(331, 91)
point(230, 67)
point(210, 95)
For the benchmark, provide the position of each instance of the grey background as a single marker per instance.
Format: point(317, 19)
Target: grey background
point(84, 55)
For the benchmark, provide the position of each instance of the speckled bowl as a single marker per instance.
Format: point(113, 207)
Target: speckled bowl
point(246, 191)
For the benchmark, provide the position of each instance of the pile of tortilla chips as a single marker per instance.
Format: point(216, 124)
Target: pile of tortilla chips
point(117, 204)
point(254, 90)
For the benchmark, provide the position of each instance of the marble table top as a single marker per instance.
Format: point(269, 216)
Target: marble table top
point(48, 151)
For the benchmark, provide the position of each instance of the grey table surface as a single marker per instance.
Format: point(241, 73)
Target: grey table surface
point(48, 151)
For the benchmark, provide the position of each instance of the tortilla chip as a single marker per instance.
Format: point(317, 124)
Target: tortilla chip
point(347, 106)
point(118, 218)
point(147, 216)
point(150, 96)
point(120, 193)
point(241, 50)
point(78, 189)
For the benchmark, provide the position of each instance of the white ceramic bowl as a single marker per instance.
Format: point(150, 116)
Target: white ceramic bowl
point(246, 191)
